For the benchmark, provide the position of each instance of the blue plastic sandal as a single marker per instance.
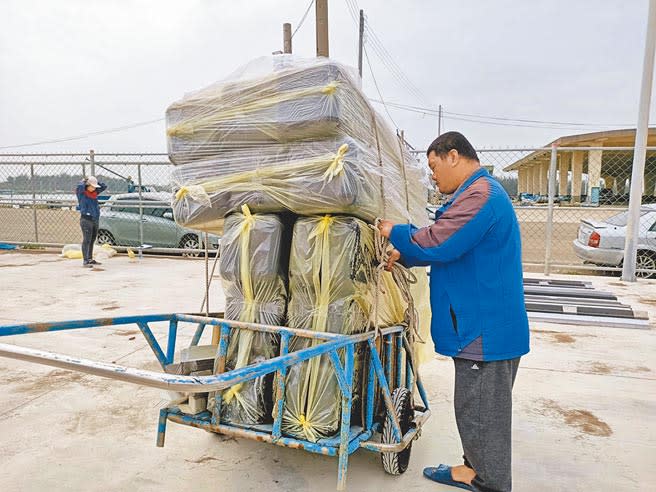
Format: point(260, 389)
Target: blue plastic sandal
point(442, 474)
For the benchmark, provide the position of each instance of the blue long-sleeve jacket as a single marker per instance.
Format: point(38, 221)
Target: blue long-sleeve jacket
point(88, 204)
point(476, 279)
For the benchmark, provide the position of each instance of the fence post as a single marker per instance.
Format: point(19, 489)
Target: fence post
point(36, 227)
point(639, 152)
point(550, 207)
point(141, 217)
point(92, 160)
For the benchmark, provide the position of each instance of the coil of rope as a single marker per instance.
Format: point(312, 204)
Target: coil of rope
point(403, 277)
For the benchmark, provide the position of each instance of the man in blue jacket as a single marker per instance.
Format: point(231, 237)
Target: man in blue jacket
point(477, 302)
point(87, 196)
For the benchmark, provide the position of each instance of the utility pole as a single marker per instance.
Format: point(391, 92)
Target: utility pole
point(322, 27)
point(361, 43)
point(439, 121)
point(640, 151)
point(92, 160)
point(287, 37)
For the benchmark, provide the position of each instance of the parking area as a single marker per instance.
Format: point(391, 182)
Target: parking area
point(61, 226)
point(584, 398)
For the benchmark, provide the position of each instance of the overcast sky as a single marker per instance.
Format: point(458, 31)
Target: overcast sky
point(71, 67)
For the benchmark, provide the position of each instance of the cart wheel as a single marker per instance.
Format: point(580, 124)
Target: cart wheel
point(397, 463)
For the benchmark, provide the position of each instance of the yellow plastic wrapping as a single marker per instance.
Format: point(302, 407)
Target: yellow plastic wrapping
point(285, 133)
point(330, 284)
point(74, 252)
point(253, 267)
point(421, 296)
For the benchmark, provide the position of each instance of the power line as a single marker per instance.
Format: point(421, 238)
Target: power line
point(366, 57)
point(514, 125)
point(481, 118)
point(384, 56)
point(85, 135)
point(481, 122)
point(307, 11)
point(392, 65)
point(353, 10)
point(404, 81)
point(523, 120)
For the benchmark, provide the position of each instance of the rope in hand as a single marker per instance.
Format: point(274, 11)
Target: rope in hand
point(403, 277)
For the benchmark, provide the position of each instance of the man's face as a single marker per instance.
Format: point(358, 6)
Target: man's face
point(443, 169)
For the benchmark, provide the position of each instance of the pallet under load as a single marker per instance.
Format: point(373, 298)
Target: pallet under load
point(254, 257)
point(330, 275)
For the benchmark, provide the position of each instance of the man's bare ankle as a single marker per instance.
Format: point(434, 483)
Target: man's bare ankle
point(462, 473)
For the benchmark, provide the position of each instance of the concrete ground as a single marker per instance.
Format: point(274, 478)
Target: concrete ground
point(585, 398)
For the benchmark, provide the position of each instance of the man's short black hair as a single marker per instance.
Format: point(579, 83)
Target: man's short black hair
point(450, 141)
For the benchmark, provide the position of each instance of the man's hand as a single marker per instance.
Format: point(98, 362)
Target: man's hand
point(394, 256)
point(385, 228)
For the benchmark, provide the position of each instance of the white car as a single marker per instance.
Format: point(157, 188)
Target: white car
point(602, 242)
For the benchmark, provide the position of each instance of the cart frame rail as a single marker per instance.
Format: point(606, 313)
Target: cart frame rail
point(336, 347)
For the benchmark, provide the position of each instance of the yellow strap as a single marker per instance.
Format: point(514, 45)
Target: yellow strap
point(321, 280)
point(248, 312)
point(330, 88)
point(304, 423)
point(266, 179)
point(321, 273)
point(232, 109)
point(321, 229)
point(181, 193)
point(232, 392)
point(337, 165)
point(195, 193)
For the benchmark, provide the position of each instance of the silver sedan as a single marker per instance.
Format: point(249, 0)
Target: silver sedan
point(121, 223)
point(602, 242)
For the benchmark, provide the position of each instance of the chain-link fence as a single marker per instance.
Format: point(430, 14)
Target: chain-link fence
point(38, 204)
point(584, 226)
point(583, 229)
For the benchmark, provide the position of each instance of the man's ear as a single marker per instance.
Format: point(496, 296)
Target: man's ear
point(454, 157)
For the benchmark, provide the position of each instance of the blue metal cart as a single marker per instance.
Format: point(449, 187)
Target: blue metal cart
point(391, 379)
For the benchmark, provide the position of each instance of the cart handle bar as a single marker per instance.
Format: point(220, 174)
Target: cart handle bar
point(27, 328)
point(189, 384)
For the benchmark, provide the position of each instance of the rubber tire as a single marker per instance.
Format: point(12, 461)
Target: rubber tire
point(110, 239)
point(651, 256)
point(397, 463)
point(184, 240)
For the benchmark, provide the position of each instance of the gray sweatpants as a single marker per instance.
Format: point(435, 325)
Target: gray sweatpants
point(483, 404)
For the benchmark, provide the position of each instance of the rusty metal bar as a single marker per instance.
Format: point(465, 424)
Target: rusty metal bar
point(409, 436)
point(281, 376)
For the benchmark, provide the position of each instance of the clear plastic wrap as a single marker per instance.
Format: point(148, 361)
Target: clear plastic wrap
point(254, 259)
point(273, 137)
point(330, 287)
point(287, 134)
point(270, 100)
point(328, 176)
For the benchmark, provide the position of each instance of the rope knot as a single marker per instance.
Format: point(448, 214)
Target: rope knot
point(403, 277)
